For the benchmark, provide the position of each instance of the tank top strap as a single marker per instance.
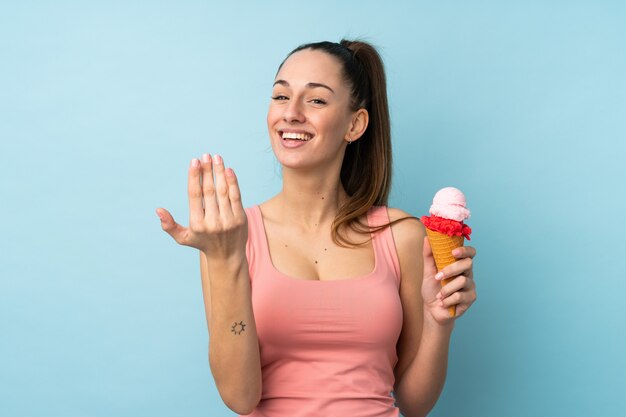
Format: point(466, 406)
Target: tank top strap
point(383, 242)
point(256, 239)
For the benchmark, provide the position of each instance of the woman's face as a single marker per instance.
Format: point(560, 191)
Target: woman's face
point(309, 115)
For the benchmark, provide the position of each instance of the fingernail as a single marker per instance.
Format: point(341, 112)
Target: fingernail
point(439, 275)
point(217, 159)
point(456, 252)
point(195, 163)
point(229, 172)
point(206, 158)
point(160, 215)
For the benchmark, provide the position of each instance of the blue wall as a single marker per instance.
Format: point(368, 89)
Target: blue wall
point(102, 106)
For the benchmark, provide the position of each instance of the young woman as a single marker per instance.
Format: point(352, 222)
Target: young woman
point(321, 301)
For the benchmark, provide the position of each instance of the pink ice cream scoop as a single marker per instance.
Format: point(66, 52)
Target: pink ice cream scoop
point(449, 203)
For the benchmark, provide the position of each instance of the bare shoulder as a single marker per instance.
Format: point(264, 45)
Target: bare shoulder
point(408, 234)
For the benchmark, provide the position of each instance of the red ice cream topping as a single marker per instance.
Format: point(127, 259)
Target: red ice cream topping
point(447, 226)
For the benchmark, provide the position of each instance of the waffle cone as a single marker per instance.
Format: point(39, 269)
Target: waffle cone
point(442, 246)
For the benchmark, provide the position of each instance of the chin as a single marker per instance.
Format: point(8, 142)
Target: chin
point(291, 162)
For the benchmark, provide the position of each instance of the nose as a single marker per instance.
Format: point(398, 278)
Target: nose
point(293, 112)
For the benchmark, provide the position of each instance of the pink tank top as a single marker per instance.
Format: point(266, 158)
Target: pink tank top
point(328, 348)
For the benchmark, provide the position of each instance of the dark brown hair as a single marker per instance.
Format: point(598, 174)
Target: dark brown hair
point(366, 168)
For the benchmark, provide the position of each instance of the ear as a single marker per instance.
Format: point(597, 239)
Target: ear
point(358, 125)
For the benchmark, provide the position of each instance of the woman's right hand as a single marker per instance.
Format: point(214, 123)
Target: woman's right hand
point(220, 228)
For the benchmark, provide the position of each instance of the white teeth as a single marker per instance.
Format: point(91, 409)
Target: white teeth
point(298, 136)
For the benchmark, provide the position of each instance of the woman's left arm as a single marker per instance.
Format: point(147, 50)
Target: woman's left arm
point(423, 347)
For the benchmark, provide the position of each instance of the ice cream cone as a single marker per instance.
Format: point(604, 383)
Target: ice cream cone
point(442, 246)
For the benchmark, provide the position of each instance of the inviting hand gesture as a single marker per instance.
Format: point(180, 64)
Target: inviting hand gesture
point(460, 291)
point(217, 220)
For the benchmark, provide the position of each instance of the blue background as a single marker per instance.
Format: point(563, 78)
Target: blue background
point(102, 106)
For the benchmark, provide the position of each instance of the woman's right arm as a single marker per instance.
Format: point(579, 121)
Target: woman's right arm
point(218, 227)
point(233, 343)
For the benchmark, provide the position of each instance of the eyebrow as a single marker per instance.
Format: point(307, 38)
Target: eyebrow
point(308, 85)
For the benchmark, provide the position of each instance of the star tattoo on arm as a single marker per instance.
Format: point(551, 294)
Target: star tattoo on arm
point(238, 327)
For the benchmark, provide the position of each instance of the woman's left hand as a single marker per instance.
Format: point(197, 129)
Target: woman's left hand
point(460, 291)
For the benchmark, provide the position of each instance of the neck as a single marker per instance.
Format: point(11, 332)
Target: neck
point(310, 200)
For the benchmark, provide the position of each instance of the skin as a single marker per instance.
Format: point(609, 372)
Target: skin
point(306, 207)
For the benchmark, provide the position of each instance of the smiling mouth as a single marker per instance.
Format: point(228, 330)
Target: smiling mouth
point(304, 137)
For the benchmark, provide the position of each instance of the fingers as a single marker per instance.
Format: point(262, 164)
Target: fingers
point(178, 232)
point(234, 194)
point(221, 188)
point(456, 284)
point(460, 292)
point(194, 190)
point(464, 252)
point(430, 267)
point(456, 268)
point(208, 187)
point(426, 249)
point(464, 264)
point(461, 299)
point(211, 188)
